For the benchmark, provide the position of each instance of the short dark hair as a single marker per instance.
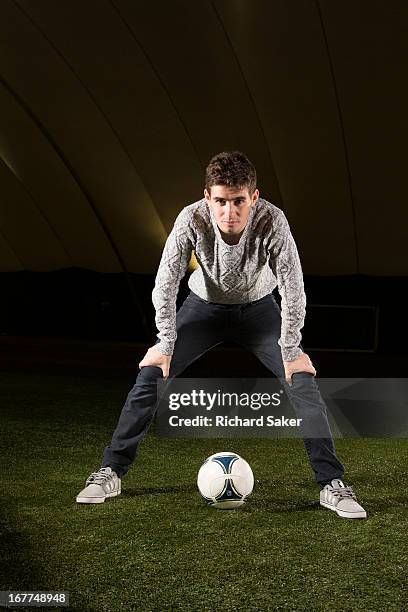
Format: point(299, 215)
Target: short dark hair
point(231, 169)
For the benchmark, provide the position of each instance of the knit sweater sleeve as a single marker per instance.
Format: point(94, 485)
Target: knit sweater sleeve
point(285, 263)
point(173, 266)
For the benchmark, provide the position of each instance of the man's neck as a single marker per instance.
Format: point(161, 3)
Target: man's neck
point(231, 238)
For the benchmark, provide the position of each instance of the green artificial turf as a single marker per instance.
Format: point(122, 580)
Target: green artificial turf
point(157, 546)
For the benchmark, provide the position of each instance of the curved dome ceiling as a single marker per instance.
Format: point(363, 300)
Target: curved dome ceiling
point(110, 111)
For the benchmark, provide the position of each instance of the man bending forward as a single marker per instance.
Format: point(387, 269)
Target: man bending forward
point(244, 248)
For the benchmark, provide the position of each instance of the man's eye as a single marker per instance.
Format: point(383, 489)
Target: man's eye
point(236, 202)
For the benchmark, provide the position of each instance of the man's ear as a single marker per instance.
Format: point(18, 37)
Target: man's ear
point(207, 195)
point(255, 196)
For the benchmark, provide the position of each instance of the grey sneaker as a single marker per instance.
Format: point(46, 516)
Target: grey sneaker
point(336, 496)
point(99, 486)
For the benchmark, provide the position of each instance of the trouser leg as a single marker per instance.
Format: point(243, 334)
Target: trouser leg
point(199, 328)
point(305, 397)
point(259, 329)
point(134, 421)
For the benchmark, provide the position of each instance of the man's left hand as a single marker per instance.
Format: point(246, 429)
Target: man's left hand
point(302, 363)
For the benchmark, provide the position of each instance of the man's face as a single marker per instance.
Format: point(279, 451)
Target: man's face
point(231, 207)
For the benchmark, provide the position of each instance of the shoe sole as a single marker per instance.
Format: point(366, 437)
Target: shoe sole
point(343, 514)
point(96, 500)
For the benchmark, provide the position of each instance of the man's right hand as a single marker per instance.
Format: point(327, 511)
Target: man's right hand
point(154, 357)
point(302, 363)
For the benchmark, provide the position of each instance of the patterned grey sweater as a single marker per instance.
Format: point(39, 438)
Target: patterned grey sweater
point(265, 257)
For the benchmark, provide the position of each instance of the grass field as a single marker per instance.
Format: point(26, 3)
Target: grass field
point(157, 546)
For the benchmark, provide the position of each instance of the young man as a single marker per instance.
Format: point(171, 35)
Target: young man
point(244, 248)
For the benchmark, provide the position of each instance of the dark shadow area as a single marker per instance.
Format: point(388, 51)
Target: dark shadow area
point(93, 358)
point(82, 304)
point(17, 570)
point(76, 320)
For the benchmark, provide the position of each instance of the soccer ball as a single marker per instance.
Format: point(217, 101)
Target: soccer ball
point(225, 480)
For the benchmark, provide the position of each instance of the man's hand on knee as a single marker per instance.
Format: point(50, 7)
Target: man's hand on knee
point(302, 363)
point(154, 357)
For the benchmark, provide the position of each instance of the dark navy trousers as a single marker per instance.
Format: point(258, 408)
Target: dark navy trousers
point(201, 326)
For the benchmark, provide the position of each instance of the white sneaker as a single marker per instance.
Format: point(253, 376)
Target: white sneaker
point(99, 486)
point(336, 496)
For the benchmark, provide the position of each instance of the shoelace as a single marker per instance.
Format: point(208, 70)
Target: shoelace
point(343, 492)
point(99, 477)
